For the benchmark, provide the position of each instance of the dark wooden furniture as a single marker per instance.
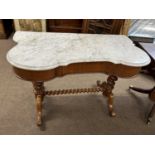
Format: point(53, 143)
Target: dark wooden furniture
point(6, 28)
point(103, 26)
point(141, 39)
point(67, 25)
point(149, 48)
point(151, 94)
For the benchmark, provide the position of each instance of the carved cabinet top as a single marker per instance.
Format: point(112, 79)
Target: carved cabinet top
point(44, 51)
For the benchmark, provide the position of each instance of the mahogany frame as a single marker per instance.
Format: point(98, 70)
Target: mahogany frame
point(39, 77)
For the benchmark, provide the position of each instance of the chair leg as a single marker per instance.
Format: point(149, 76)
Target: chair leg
point(140, 90)
point(151, 93)
point(149, 118)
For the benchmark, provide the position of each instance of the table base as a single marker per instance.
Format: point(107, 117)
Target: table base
point(39, 77)
point(105, 87)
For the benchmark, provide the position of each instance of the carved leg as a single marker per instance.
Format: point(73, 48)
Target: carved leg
point(39, 95)
point(107, 88)
point(149, 118)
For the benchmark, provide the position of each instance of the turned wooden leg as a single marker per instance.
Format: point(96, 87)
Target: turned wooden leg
point(110, 106)
point(107, 88)
point(39, 95)
point(39, 109)
point(149, 118)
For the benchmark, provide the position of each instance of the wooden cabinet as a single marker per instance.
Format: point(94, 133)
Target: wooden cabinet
point(104, 26)
point(65, 25)
point(6, 28)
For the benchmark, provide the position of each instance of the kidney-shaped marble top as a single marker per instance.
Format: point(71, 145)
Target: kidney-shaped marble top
point(44, 51)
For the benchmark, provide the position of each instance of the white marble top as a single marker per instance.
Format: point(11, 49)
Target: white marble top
point(44, 51)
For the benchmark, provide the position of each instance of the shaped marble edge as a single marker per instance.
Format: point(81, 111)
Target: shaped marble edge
point(32, 41)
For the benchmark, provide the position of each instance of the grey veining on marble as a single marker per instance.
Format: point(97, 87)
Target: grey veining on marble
point(44, 51)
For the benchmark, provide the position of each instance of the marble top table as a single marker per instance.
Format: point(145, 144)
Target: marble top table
point(44, 51)
point(41, 56)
